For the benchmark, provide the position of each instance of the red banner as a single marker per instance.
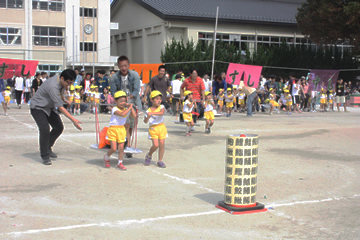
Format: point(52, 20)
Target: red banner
point(14, 67)
point(248, 73)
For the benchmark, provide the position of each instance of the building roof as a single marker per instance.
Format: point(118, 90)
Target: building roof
point(270, 11)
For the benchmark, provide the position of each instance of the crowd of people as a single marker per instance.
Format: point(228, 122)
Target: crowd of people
point(123, 95)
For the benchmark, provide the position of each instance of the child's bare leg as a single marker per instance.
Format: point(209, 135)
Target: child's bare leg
point(207, 124)
point(211, 123)
point(121, 151)
point(161, 149)
point(112, 149)
point(154, 147)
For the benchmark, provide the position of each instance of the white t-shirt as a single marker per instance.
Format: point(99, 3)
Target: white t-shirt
point(19, 83)
point(186, 109)
point(209, 107)
point(116, 120)
point(28, 83)
point(294, 90)
point(229, 98)
point(207, 84)
point(175, 86)
point(154, 120)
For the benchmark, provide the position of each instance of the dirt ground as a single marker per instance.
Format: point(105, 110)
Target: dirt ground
point(308, 177)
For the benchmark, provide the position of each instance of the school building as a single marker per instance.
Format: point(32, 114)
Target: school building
point(57, 33)
point(146, 25)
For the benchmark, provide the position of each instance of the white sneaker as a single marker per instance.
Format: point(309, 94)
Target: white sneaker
point(6, 114)
point(192, 129)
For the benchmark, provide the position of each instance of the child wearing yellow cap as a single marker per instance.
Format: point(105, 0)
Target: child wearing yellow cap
point(3, 99)
point(288, 100)
point(221, 97)
point(7, 95)
point(77, 99)
point(189, 104)
point(272, 98)
point(209, 106)
point(241, 100)
point(116, 132)
point(323, 99)
point(70, 96)
point(229, 98)
point(157, 129)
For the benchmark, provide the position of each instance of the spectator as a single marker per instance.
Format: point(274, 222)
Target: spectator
point(36, 83)
point(79, 78)
point(175, 88)
point(340, 94)
point(305, 95)
point(196, 85)
point(251, 94)
point(103, 100)
point(86, 83)
point(2, 95)
point(19, 89)
point(44, 76)
point(217, 84)
point(102, 81)
point(179, 72)
point(27, 88)
point(207, 83)
point(296, 87)
point(160, 83)
point(279, 88)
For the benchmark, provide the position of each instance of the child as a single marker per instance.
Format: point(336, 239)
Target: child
point(70, 96)
point(7, 96)
point(116, 132)
point(272, 98)
point(288, 100)
point(187, 115)
point(221, 99)
point(96, 97)
point(91, 98)
point(323, 100)
point(331, 100)
point(77, 99)
point(209, 106)
point(229, 98)
point(241, 100)
point(157, 130)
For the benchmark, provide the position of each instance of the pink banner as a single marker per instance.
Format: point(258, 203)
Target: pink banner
point(240, 72)
point(13, 67)
point(322, 79)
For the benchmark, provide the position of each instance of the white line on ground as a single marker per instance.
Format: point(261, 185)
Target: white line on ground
point(28, 125)
point(185, 181)
point(121, 223)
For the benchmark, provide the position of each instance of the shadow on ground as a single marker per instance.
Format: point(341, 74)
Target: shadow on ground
point(212, 198)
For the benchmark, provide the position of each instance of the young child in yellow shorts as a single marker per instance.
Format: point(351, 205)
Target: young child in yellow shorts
point(221, 97)
point(272, 98)
point(189, 104)
point(229, 99)
point(323, 99)
point(288, 99)
point(7, 95)
point(209, 106)
point(77, 99)
point(116, 132)
point(157, 129)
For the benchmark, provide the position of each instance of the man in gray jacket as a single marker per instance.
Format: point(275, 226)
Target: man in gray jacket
point(128, 81)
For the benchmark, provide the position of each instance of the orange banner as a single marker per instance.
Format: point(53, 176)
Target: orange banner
point(146, 71)
point(14, 67)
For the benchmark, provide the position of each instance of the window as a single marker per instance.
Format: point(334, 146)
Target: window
point(49, 5)
point(88, 12)
point(11, 3)
point(88, 46)
point(48, 36)
point(10, 36)
point(50, 69)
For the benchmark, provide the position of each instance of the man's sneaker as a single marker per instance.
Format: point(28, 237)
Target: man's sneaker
point(121, 166)
point(106, 161)
point(161, 164)
point(207, 131)
point(129, 155)
point(52, 154)
point(147, 160)
point(46, 161)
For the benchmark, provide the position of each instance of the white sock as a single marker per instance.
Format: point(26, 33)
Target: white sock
point(106, 157)
point(120, 161)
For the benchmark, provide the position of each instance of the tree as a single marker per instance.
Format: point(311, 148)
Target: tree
point(331, 21)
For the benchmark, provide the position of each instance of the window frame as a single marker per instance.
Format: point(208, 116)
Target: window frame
point(47, 5)
point(7, 34)
point(41, 35)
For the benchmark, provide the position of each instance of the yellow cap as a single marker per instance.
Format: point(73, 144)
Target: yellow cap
point(92, 86)
point(155, 93)
point(229, 89)
point(234, 87)
point(187, 93)
point(331, 91)
point(108, 87)
point(72, 88)
point(8, 87)
point(207, 93)
point(270, 89)
point(285, 90)
point(78, 87)
point(119, 94)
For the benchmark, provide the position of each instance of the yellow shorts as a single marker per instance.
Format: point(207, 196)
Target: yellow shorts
point(221, 102)
point(7, 99)
point(187, 117)
point(116, 133)
point(323, 101)
point(97, 101)
point(91, 99)
point(158, 131)
point(209, 115)
point(275, 104)
point(289, 103)
point(77, 101)
point(241, 101)
point(71, 99)
point(234, 100)
point(229, 104)
point(331, 101)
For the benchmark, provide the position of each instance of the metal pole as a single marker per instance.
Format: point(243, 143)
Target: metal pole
point(93, 71)
point(76, 51)
point(213, 60)
point(73, 55)
point(83, 13)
